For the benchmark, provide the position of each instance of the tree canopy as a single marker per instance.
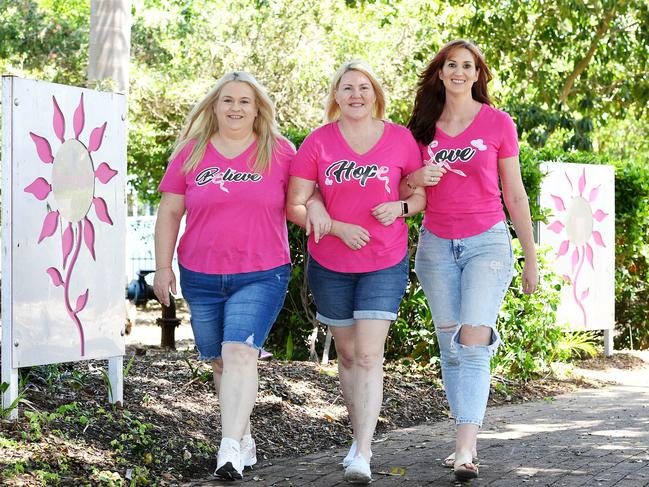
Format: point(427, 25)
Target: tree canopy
point(567, 71)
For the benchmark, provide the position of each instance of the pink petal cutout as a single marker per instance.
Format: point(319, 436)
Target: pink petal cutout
point(568, 178)
point(102, 210)
point(104, 173)
point(575, 258)
point(81, 302)
point(95, 138)
point(567, 279)
point(79, 118)
point(39, 188)
point(66, 243)
point(600, 215)
point(49, 225)
point(589, 255)
point(89, 236)
point(593, 194)
point(563, 248)
point(582, 182)
point(558, 202)
point(598, 238)
point(584, 294)
point(556, 226)
point(55, 275)
point(58, 121)
point(43, 148)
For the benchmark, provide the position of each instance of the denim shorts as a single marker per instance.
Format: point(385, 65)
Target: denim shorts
point(465, 279)
point(342, 297)
point(233, 308)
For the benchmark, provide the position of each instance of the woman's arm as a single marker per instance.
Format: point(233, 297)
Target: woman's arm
point(518, 206)
point(428, 175)
point(387, 213)
point(170, 212)
point(302, 193)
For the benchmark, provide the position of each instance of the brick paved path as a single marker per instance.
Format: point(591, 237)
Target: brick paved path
point(589, 438)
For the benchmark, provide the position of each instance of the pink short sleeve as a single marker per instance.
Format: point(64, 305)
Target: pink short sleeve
point(509, 144)
point(305, 162)
point(413, 155)
point(174, 180)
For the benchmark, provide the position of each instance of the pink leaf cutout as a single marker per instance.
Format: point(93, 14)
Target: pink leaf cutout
point(55, 275)
point(43, 148)
point(575, 258)
point(556, 226)
point(39, 188)
point(600, 215)
point(593, 194)
point(95, 138)
point(558, 202)
point(58, 121)
point(584, 294)
point(582, 182)
point(79, 118)
point(66, 243)
point(49, 225)
point(589, 255)
point(81, 302)
point(102, 210)
point(104, 173)
point(563, 248)
point(598, 238)
point(89, 236)
point(568, 178)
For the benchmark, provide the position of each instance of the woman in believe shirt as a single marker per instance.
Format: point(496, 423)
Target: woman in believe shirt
point(464, 259)
point(229, 172)
point(358, 263)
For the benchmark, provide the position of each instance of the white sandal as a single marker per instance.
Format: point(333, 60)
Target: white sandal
point(461, 470)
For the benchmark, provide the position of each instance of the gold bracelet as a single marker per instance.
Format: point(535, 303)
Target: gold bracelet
point(411, 186)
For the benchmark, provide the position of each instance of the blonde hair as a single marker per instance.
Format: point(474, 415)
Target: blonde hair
point(201, 124)
point(332, 110)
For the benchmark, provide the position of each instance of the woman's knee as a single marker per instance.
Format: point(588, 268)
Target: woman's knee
point(239, 355)
point(472, 335)
point(369, 359)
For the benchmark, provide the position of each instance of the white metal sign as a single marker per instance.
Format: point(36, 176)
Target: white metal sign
point(581, 230)
point(63, 209)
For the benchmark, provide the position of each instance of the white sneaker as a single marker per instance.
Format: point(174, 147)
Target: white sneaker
point(358, 471)
point(248, 451)
point(350, 455)
point(228, 461)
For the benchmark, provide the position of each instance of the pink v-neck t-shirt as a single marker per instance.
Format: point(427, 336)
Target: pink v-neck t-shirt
point(351, 185)
point(467, 200)
point(236, 218)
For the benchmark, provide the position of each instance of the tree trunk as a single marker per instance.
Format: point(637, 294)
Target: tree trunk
point(110, 42)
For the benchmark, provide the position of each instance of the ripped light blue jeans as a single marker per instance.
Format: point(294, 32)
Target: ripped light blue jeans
point(465, 281)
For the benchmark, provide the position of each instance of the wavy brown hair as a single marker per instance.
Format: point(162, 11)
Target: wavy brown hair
point(431, 94)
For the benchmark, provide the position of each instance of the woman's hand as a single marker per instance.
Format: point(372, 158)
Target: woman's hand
point(354, 236)
point(530, 278)
point(163, 281)
point(387, 213)
point(427, 176)
point(318, 220)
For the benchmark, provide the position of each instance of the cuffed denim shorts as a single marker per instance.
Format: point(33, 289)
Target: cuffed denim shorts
point(465, 280)
point(342, 297)
point(233, 308)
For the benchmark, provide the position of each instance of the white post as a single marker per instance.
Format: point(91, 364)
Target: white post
point(116, 378)
point(9, 373)
point(608, 342)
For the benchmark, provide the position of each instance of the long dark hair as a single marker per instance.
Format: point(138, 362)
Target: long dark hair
point(431, 94)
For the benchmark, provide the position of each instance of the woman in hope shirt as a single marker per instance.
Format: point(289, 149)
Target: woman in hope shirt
point(464, 259)
point(229, 171)
point(358, 263)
